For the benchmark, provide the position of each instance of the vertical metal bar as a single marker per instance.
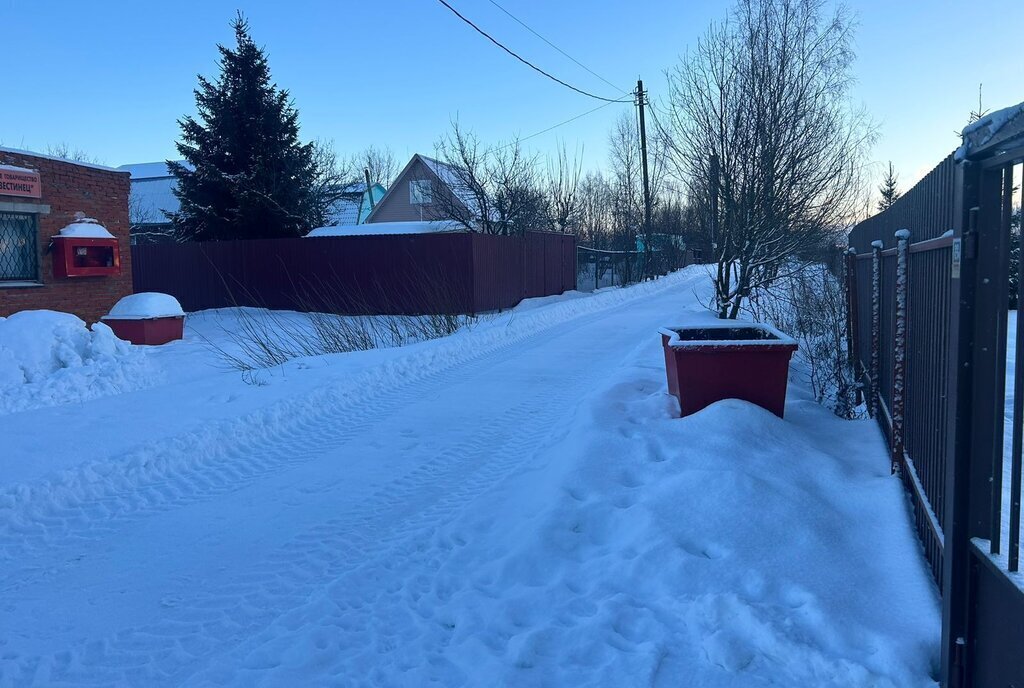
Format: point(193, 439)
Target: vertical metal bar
point(1018, 421)
point(1018, 385)
point(990, 349)
point(851, 298)
point(876, 316)
point(899, 366)
point(958, 524)
point(853, 321)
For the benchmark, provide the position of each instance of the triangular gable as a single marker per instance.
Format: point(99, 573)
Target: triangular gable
point(428, 164)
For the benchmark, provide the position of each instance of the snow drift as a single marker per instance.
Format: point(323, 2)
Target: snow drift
point(49, 358)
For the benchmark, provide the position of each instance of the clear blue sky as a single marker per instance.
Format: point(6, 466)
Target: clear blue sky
point(112, 77)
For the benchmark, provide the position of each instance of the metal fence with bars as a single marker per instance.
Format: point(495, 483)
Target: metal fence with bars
point(597, 268)
point(928, 283)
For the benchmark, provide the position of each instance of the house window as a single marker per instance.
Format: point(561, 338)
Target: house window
point(19, 257)
point(420, 192)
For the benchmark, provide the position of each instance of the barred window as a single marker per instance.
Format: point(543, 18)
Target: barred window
point(18, 248)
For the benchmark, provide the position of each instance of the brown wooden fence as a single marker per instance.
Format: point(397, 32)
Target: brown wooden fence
point(402, 274)
point(928, 284)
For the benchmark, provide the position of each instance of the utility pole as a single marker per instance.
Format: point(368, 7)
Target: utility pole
point(641, 98)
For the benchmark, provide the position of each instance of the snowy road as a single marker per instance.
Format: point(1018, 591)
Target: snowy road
point(359, 533)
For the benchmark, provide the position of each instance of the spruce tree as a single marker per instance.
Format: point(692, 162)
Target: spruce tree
point(248, 176)
point(888, 190)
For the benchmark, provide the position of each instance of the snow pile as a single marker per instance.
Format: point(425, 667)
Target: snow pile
point(977, 134)
point(49, 358)
point(16, 169)
point(86, 228)
point(144, 306)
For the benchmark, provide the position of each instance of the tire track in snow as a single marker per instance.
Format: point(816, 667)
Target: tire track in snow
point(206, 464)
point(393, 524)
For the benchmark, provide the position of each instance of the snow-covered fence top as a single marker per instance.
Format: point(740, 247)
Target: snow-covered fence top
point(387, 229)
point(926, 210)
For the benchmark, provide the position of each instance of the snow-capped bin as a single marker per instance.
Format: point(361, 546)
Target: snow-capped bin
point(727, 360)
point(147, 318)
point(85, 249)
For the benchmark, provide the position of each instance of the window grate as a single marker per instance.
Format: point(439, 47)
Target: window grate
point(19, 256)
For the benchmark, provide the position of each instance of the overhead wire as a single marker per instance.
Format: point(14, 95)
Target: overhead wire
point(580, 64)
point(555, 126)
point(526, 62)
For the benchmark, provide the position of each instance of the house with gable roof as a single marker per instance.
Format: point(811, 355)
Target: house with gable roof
point(426, 190)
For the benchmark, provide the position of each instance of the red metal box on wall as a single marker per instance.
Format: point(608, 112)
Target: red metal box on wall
point(85, 257)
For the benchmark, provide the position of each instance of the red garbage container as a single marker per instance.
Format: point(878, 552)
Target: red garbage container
point(150, 331)
point(727, 360)
point(147, 318)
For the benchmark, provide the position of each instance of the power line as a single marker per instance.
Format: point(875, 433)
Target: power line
point(523, 60)
point(524, 25)
point(560, 124)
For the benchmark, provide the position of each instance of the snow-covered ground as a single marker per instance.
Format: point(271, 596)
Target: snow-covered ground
point(512, 505)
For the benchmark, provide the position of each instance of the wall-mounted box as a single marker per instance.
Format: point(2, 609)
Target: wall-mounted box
point(85, 257)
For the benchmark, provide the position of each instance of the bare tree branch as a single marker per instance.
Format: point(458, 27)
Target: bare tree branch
point(767, 93)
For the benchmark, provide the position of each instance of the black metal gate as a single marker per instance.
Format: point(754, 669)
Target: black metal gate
point(929, 285)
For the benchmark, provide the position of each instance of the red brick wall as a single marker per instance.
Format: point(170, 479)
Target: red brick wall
point(69, 188)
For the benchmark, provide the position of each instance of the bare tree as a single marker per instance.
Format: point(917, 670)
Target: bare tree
point(331, 179)
point(563, 181)
point(626, 183)
point(66, 151)
point(766, 92)
point(627, 178)
point(490, 190)
point(595, 211)
point(811, 306)
point(148, 225)
point(380, 162)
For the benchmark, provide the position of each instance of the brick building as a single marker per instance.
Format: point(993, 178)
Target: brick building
point(40, 195)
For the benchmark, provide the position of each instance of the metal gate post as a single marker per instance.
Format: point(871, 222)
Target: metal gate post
point(876, 322)
point(899, 367)
point(957, 526)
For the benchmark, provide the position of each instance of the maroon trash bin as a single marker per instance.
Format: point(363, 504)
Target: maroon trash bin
point(149, 331)
point(727, 360)
point(147, 318)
